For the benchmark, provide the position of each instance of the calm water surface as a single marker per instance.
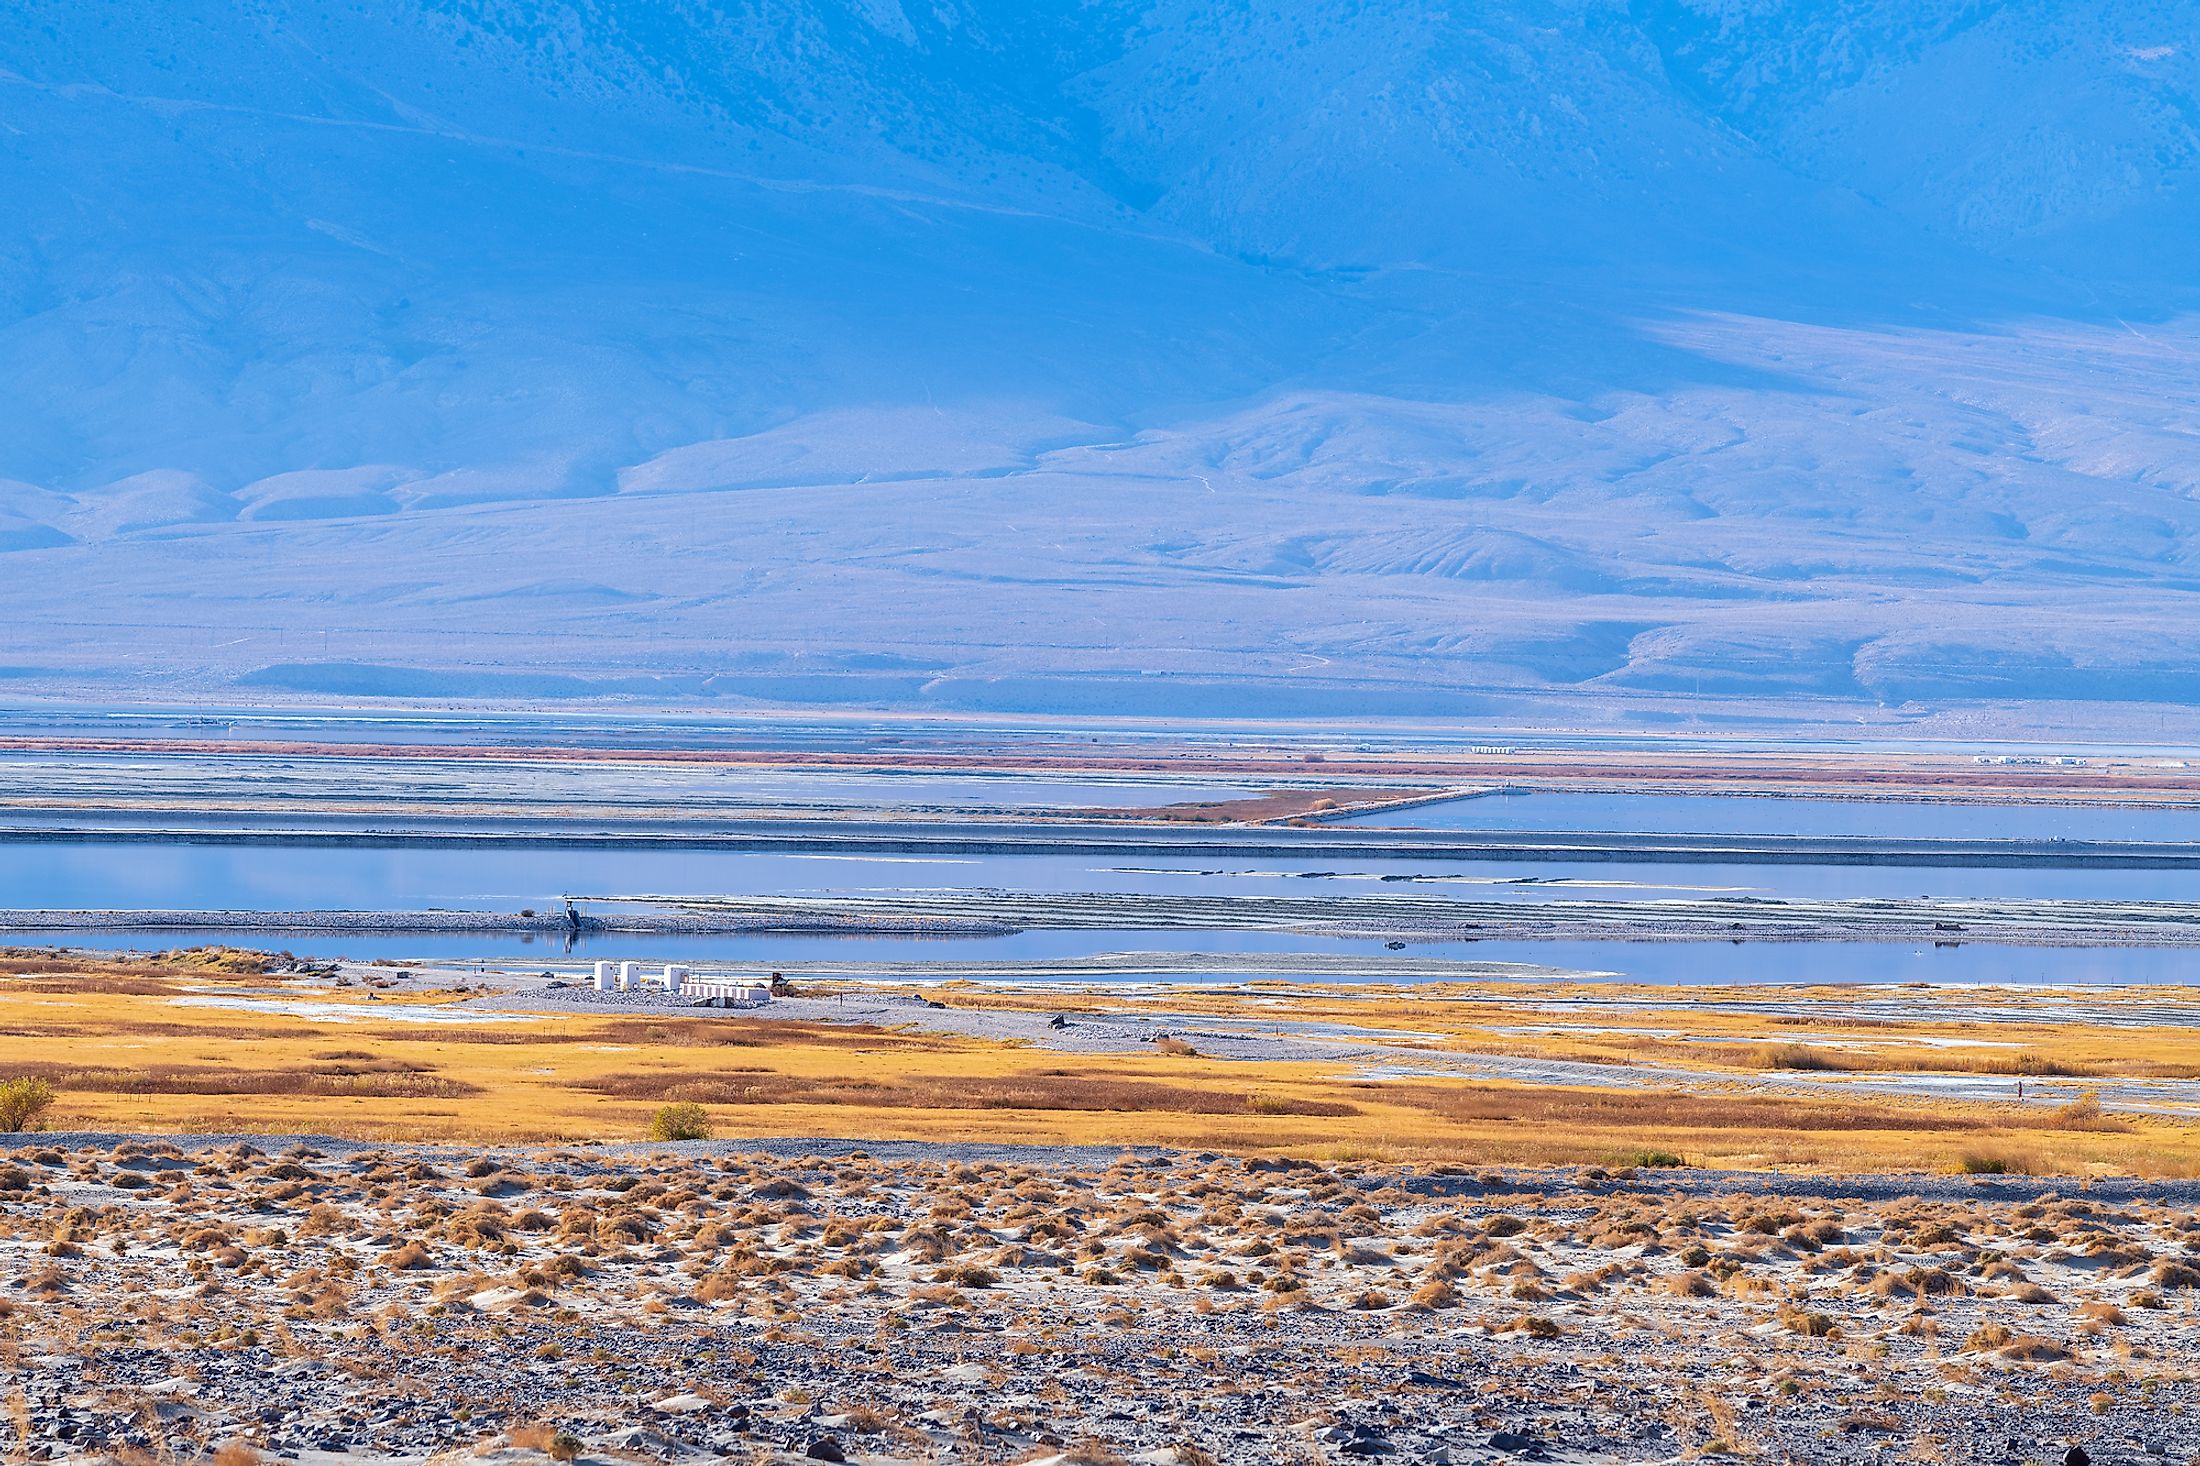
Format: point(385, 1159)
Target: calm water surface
point(130, 875)
point(139, 875)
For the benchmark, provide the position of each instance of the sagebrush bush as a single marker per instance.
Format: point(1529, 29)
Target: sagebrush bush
point(686, 1121)
point(22, 1101)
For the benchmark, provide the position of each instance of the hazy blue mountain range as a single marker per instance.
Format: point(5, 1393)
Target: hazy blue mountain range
point(1354, 357)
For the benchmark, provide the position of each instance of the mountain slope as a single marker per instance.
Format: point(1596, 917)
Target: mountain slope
point(1570, 355)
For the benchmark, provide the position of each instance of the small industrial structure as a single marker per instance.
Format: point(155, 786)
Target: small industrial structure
point(716, 992)
point(727, 992)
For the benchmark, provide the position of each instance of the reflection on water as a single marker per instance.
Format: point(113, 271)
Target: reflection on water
point(217, 877)
point(235, 877)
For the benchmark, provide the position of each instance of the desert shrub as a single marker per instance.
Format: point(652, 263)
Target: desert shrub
point(407, 1258)
point(1918, 1282)
point(864, 1420)
point(1795, 1056)
point(1807, 1322)
point(2082, 1113)
point(2170, 1273)
point(558, 1445)
point(1824, 1232)
point(22, 1101)
point(2032, 1349)
point(1654, 1160)
point(683, 1121)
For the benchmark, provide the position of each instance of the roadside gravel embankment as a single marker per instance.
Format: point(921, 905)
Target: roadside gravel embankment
point(1402, 918)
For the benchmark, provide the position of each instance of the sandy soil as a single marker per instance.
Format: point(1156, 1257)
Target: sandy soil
point(1264, 1026)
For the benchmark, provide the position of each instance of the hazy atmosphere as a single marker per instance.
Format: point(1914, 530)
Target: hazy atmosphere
point(1539, 359)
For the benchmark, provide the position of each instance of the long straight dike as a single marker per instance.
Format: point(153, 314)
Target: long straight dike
point(1404, 920)
point(1317, 843)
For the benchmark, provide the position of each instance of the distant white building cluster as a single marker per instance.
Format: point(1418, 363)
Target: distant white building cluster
point(731, 992)
point(2065, 761)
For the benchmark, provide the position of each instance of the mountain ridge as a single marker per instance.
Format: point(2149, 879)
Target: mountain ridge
point(1580, 352)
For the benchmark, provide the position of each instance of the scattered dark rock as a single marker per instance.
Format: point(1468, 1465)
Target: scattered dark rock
point(825, 1448)
point(1429, 1381)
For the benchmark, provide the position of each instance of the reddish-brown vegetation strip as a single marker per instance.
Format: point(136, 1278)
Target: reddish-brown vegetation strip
point(1053, 1090)
point(1712, 770)
point(373, 1079)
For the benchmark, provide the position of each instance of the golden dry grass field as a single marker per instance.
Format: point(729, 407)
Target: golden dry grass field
point(161, 1045)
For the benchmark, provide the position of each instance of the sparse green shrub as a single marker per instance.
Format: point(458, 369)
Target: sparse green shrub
point(22, 1101)
point(684, 1121)
point(1654, 1160)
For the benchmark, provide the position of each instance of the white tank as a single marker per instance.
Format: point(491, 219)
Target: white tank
point(603, 977)
point(675, 977)
point(626, 977)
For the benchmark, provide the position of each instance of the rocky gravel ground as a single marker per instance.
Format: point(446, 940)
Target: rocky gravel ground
point(320, 1301)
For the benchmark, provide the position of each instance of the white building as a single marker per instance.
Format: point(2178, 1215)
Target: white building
point(733, 992)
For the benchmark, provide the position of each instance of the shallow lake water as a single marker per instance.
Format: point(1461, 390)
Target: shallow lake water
point(129, 875)
point(132, 874)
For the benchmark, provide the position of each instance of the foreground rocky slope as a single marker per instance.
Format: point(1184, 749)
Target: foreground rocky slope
point(969, 1303)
